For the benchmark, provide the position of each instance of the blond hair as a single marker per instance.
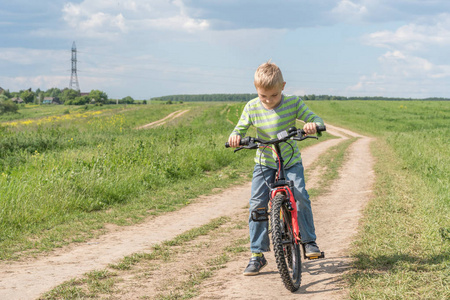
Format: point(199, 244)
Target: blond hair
point(268, 76)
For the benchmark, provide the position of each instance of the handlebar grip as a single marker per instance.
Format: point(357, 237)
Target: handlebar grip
point(321, 128)
point(244, 142)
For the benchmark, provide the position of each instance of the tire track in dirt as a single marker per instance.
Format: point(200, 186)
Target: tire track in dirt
point(30, 278)
point(170, 116)
point(336, 219)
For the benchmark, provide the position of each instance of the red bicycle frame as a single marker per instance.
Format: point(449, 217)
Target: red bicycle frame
point(287, 191)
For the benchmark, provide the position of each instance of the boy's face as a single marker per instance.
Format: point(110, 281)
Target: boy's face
point(270, 98)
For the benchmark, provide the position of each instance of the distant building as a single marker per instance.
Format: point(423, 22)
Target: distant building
point(51, 100)
point(17, 100)
point(1, 90)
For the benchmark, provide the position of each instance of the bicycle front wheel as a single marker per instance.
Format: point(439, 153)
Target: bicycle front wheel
point(286, 250)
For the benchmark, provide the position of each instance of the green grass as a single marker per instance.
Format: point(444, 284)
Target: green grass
point(400, 253)
point(403, 249)
point(61, 181)
point(330, 163)
point(91, 285)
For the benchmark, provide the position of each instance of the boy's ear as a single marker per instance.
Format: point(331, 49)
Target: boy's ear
point(284, 84)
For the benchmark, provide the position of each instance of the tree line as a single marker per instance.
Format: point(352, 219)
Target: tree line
point(206, 97)
point(63, 96)
point(71, 97)
point(9, 100)
point(247, 97)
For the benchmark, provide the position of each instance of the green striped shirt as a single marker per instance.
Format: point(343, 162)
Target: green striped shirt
point(269, 122)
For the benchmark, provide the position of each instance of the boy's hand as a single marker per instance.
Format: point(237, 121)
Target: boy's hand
point(310, 128)
point(234, 141)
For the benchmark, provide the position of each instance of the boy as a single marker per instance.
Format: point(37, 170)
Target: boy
point(271, 113)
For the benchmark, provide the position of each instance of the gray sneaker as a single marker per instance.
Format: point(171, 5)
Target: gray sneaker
point(255, 265)
point(311, 249)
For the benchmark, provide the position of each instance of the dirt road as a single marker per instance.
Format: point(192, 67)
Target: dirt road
point(163, 121)
point(336, 218)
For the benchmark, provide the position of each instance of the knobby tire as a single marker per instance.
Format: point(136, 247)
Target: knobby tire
point(287, 252)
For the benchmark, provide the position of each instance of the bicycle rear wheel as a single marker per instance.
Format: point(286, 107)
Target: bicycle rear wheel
point(287, 252)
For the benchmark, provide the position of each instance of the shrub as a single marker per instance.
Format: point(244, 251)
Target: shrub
point(8, 107)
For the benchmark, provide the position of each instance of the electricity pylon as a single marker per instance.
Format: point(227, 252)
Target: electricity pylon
point(74, 78)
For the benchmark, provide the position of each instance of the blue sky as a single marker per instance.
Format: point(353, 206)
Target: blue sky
point(150, 48)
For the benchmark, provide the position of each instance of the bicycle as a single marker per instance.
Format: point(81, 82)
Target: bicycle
point(282, 210)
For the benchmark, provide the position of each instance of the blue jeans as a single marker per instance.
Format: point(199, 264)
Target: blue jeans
point(260, 193)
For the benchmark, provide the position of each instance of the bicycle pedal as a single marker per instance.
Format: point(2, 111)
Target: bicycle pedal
point(260, 215)
point(322, 255)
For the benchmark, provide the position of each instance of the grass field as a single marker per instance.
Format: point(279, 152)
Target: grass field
point(64, 174)
point(403, 248)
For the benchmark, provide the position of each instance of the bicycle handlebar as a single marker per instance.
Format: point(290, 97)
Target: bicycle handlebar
point(292, 133)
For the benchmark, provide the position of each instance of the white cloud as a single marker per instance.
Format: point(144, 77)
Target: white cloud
point(410, 66)
point(406, 65)
point(413, 63)
point(347, 9)
point(414, 36)
point(175, 23)
point(84, 19)
point(404, 75)
point(95, 17)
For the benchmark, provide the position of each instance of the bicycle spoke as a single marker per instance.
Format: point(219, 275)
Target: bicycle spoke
point(287, 251)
